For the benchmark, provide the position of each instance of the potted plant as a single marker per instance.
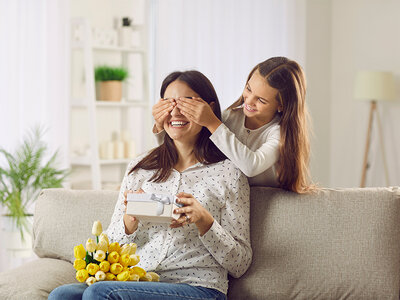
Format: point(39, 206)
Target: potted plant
point(110, 79)
point(23, 175)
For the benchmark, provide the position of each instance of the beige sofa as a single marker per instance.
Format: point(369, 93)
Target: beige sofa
point(335, 244)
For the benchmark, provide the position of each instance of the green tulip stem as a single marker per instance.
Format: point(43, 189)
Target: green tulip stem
point(97, 239)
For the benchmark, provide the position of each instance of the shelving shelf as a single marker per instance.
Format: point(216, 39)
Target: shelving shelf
point(93, 108)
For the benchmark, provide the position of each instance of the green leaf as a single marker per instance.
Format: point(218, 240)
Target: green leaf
point(25, 173)
point(105, 73)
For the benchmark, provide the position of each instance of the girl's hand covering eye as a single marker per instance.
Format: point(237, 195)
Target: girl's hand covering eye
point(161, 110)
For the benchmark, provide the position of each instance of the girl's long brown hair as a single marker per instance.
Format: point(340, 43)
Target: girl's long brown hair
point(165, 157)
point(288, 78)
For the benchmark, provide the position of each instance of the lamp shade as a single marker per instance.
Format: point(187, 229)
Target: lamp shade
point(374, 85)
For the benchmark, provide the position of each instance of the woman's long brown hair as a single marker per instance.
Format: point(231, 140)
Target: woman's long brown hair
point(165, 157)
point(288, 78)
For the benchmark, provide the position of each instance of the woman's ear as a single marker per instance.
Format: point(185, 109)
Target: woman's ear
point(212, 104)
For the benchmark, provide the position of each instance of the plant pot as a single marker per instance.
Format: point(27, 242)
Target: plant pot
point(15, 244)
point(110, 90)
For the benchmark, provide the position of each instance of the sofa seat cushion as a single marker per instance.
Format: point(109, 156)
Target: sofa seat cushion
point(335, 244)
point(64, 219)
point(36, 279)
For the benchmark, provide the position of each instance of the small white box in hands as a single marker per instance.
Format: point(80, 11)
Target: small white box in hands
point(157, 208)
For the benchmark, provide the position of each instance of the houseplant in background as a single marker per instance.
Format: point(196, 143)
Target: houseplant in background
point(23, 175)
point(110, 79)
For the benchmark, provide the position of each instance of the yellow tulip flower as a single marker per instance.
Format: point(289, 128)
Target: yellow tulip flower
point(97, 229)
point(133, 248)
point(90, 245)
point(92, 268)
point(99, 255)
point(102, 245)
point(82, 275)
point(123, 276)
point(124, 259)
point(138, 270)
point(113, 257)
point(90, 280)
point(134, 277)
point(100, 276)
point(116, 268)
point(105, 266)
point(134, 260)
point(104, 237)
point(146, 277)
point(154, 276)
point(79, 264)
point(79, 252)
point(114, 247)
point(110, 277)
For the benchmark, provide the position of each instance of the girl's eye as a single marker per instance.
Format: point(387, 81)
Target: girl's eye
point(248, 88)
point(262, 101)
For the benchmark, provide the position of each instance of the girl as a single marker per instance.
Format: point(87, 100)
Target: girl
point(264, 133)
point(193, 261)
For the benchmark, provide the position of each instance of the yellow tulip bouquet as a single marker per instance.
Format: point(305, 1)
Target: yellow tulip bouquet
point(104, 261)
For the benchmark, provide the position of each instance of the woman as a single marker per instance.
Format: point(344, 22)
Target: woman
point(264, 133)
point(194, 254)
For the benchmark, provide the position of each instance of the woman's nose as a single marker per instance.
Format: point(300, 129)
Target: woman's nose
point(175, 111)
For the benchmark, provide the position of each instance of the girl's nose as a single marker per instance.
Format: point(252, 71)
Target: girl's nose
point(251, 100)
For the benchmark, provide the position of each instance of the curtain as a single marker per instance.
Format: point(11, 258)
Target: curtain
point(34, 73)
point(34, 81)
point(224, 39)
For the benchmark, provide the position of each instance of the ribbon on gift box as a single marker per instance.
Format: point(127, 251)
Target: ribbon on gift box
point(161, 199)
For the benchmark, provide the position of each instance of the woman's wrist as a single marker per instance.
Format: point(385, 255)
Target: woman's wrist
point(205, 223)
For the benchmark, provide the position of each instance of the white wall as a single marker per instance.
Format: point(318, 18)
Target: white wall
point(365, 35)
point(318, 74)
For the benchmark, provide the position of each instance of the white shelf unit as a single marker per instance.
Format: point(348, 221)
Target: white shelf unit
point(91, 106)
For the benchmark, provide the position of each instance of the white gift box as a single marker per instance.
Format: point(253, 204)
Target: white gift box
point(156, 208)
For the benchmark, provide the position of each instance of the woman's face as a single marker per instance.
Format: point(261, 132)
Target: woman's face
point(177, 126)
point(260, 104)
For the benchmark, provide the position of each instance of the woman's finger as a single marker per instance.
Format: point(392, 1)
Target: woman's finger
point(183, 210)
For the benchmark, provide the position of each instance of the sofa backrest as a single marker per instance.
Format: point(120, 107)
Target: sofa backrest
point(64, 218)
point(334, 244)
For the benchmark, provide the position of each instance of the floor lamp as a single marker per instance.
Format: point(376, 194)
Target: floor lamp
point(374, 86)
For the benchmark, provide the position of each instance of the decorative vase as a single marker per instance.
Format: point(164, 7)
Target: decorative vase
point(110, 90)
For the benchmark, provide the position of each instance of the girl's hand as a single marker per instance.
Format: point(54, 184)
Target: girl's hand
point(192, 212)
point(199, 111)
point(161, 110)
point(130, 221)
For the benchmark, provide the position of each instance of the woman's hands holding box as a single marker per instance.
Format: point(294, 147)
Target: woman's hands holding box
point(192, 212)
point(131, 222)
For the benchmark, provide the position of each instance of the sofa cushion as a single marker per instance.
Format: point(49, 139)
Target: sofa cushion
point(335, 244)
point(64, 218)
point(36, 279)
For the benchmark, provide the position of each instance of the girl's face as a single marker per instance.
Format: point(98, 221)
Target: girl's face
point(177, 126)
point(260, 104)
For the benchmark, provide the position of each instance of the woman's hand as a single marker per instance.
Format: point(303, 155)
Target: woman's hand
point(160, 112)
point(199, 111)
point(130, 221)
point(192, 212)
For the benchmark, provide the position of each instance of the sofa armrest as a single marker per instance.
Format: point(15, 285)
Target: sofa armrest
point(36, 279)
